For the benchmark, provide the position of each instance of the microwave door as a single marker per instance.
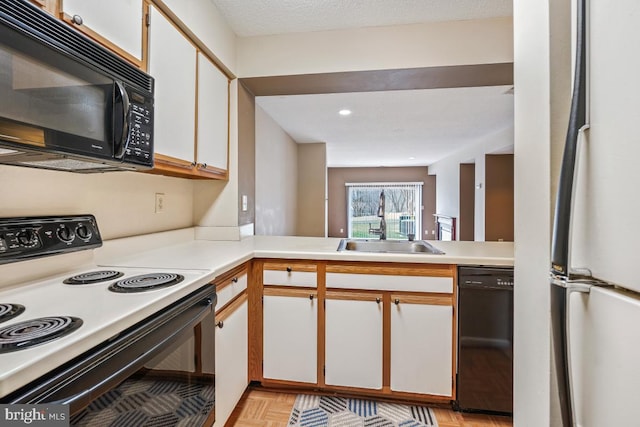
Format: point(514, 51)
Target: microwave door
point(65, 105)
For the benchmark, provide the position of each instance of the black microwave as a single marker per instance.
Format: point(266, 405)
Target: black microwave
point(67, 103)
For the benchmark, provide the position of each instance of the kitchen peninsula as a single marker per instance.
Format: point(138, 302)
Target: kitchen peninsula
point(294, 312)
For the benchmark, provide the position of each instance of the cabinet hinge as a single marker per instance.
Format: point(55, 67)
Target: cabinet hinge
point(147, 19)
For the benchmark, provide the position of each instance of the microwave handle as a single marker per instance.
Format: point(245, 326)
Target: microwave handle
point(123, 144)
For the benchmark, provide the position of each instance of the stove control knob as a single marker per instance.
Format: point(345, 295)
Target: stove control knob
point(27, 237)
point(65, 234)
point(83, 232)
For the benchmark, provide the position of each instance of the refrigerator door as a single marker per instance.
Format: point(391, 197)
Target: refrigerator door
point(606, 229)
point(605, 357)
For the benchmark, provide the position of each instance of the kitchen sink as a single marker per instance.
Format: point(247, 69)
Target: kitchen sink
point(388, 246)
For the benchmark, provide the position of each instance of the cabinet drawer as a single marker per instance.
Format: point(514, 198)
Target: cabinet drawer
point(290, 274)
point(229, 289)
point(390, 283)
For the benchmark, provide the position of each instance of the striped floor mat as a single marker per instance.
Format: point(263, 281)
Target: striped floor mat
point(330, 411)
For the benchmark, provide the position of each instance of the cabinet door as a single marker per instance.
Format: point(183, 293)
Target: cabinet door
point(353, 341)
point(290, 335)
point(117, 21)
point(172, 62)
point(231, 359)
point(213, 115)
point(421, 344)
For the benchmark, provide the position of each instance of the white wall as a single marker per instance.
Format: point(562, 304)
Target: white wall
point(447, 171)
point(312, 190)
point(541, 76)
point(276, 178)
point(377, 48)
point(122, 202)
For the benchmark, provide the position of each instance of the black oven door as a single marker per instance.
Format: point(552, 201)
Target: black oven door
point(159, 372)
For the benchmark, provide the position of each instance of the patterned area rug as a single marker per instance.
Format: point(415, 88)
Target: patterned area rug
point(149, 402)
point(330, 411)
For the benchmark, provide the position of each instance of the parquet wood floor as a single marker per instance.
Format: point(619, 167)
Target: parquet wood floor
point(262, 408)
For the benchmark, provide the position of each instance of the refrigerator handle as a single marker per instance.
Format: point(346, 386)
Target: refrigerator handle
point(562, 289)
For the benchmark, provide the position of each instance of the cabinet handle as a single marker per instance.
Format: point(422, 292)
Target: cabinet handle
point(311, 297)
point(77, 19)
point(396, 301)
point(220, 324)
point(289, 269)
point(234, 280)
point(378, 300)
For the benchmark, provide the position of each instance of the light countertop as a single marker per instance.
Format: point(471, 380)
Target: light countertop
point(223, 255)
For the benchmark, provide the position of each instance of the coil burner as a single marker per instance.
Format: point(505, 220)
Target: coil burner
point(36, 331)
point(146, 282)
point(9, 311)
point(93, 277)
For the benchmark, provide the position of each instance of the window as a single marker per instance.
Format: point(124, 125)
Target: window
point(402, 209)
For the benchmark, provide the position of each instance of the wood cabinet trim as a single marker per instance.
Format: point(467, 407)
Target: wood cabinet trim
point(295, 266)
point(226, 278)
point(172, 166)
point(231, 307)
point(255, 321)
point(278, 291)
point(354, 296)
point(422, 299)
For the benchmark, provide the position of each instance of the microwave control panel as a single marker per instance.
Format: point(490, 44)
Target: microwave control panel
point(140, 148)
point(33, 237)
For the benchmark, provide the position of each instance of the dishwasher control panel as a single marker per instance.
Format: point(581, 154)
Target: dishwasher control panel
point(491, 277)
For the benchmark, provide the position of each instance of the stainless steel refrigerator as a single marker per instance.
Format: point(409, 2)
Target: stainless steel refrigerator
point(595, 285)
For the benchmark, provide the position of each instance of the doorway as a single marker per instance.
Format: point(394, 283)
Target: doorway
point(467, 201)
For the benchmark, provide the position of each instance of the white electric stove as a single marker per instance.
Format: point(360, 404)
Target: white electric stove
point(54, 329)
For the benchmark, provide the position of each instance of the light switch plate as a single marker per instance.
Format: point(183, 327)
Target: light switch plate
point(244, 203)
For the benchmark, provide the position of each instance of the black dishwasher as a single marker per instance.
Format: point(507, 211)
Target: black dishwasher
point(485, 339)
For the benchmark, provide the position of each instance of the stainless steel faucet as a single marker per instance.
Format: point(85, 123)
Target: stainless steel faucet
point(382, 230)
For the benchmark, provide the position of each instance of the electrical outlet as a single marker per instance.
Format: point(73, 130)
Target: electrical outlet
point(159, 202)
point(341, 230)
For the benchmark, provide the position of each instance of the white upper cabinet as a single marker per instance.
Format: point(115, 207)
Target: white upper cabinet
point(172, 62)
point(213, 115)
point(119, 22)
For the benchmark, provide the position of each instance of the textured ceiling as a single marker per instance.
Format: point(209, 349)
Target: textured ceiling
point(262, 17)
point(393, 128)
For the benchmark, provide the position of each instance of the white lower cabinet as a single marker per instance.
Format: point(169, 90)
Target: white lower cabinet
point(421, 346)
point(290, 337)
point(353, 337)
point(231, 361)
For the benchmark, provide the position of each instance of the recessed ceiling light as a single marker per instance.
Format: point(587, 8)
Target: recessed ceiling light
point(344, 112)
point(412, 158)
